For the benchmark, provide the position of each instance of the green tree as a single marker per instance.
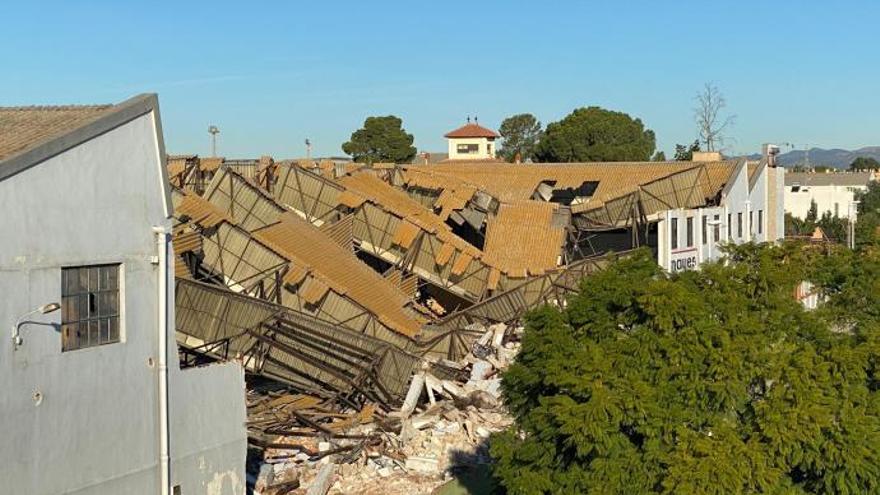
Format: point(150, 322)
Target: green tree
point(864, 163)
point(382, 139)
point(520, 133)
point(867, 226)
point(685, 153)
point(708, 382)
point(593, 134)
point(659, 157)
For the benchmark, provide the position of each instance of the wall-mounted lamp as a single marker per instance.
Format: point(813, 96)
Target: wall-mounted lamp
point(44, 309)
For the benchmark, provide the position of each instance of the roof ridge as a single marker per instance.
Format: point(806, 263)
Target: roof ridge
point(30, 108)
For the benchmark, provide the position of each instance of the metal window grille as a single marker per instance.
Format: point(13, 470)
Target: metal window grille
point(89, 306)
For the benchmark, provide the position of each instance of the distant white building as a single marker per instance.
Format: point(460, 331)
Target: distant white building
point(832, 192)
point(92, 396)
point(471, 142)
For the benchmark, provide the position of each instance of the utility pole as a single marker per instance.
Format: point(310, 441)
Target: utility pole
point(214, 130)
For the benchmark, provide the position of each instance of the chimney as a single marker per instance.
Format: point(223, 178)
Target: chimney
point(769, 152)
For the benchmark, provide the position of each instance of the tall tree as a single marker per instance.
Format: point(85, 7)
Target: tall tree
point(686, 153)
point(382, 139)
point(594, 134)
point(864, 163)
point(714, 381)
point(659, 157)
point(520, 134)
point(711, 122)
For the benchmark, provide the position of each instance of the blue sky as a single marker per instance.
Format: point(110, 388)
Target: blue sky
point(270, 74)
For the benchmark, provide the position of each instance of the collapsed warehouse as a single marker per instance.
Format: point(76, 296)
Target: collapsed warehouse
point(344, 282)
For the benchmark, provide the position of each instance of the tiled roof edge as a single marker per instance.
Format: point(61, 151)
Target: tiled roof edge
point(116, 116)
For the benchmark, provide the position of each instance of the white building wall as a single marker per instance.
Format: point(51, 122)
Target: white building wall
point(485, 148)
point(86, 421)
point(833, 198)
point(736, 206)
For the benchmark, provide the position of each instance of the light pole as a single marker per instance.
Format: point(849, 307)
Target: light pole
point(214, 130)
point(44, 309)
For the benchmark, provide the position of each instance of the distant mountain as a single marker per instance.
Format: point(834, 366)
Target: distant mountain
point(834, 158)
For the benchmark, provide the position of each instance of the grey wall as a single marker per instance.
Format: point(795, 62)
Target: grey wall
point(95, 429)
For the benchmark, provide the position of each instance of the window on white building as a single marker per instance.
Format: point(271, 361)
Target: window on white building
point(751, 223)
point(690, 231)
point(673, 233)
point(468, 149)
point(705, 234)
point(836, 209)
point(89, 306)
point(739, 225)
point(717, 235)
point(760, 221)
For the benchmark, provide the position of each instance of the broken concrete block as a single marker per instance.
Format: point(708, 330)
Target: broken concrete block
point(323, 480)
point(483, 399)
point(499, 330)
point(265, 478)
point(480, 370)
point(423, 421)
point(412, 396)
point(324, 446)
point(418, 464)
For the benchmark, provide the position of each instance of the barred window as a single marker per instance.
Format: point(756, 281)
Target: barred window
point(89, 306)
point(468, 148)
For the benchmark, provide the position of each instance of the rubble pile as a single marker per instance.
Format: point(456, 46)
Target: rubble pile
point(312, 445)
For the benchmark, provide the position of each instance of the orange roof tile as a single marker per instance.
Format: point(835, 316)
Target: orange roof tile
point(472, 130)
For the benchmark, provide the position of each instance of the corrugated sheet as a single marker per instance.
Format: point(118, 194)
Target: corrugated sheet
point(350, 199)
point(339, 269)
point(405, 234)
point(521, 236)
point(515, 182)
point(444, 254)
point(199, 211)
point(313, 290)
point(341, 232)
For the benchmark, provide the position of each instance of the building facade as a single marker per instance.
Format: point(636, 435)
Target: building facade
point(750, 210)
point(832, 192)
point(91, 393)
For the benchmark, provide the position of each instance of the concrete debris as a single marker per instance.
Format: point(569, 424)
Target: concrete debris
point(321, 484)
point(336, 447)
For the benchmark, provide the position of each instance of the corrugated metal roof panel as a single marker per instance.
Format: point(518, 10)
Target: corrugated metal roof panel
point(405, 234)
point(444, 253)
point(339, 269)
